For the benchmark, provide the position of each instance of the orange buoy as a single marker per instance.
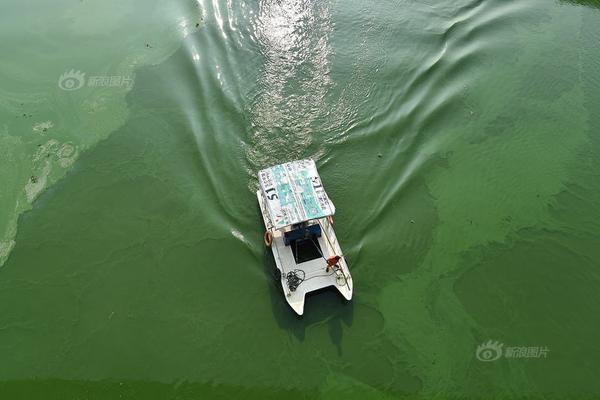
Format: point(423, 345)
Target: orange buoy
point(268, 239)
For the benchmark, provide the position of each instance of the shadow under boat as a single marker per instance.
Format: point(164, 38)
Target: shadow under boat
point(325, 305)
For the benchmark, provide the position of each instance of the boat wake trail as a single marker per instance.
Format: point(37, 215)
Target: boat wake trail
point(289, 105)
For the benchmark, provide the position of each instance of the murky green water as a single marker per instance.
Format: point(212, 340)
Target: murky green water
point(458, 140)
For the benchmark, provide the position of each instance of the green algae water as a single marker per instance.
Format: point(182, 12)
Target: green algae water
point(459, 141)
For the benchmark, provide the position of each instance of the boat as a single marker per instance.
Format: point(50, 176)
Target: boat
point(298, 217)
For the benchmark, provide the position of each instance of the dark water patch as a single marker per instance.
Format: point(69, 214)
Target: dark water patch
point(585, 3)
point(523, 294)
point(503, 124)
point(57, 389)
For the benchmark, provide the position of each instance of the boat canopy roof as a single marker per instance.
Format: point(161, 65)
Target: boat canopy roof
point(293, 193)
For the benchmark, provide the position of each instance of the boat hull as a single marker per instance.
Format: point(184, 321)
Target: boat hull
point(314, 274)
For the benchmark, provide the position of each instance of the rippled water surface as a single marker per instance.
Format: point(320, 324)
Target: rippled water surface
point(459, 141)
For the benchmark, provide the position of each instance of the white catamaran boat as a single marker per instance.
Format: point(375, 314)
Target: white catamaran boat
point(298, 216)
